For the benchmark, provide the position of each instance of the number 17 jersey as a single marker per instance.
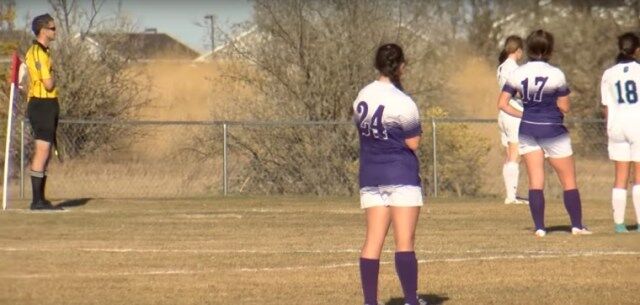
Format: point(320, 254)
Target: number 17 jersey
point(385, 116)
point(540, 85)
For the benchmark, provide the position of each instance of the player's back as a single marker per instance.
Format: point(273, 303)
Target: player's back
point(619, 91)
point(504, 71)
point(540, 85)
point(385, 117)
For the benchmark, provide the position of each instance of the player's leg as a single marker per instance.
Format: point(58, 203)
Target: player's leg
point(378, 219)
point(405, 210)
point(510, 170)
point(511, 174)
point(619, 195)
point(41, 153)
point(635, 191)
point(53, 112)
point(620, 152)
point(404, 221)
point(533, 157)
point(565, 169)
point(40, 125)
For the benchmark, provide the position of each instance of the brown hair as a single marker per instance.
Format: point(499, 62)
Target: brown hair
point(540, 45)
point(628, 43)
point(40, 22)
point(511, 45)
point(389, 58)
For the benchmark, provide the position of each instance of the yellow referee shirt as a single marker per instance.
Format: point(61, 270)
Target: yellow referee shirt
point(38, 62)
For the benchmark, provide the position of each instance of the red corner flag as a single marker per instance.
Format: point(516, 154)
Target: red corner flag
point(15, 68)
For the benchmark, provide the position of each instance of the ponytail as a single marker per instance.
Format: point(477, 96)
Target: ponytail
point(502, 57)
point(389, 58)
point(512, 44)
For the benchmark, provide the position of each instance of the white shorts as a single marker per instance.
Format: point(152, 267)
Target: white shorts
point(390, 195)
point(624, 144)
point(558, 147)
point(509, 126)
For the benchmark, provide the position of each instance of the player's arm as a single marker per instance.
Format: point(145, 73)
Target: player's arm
point(563, 95)
point(508, 91)
point(411, 126)
point(45, 72)
point(503, 104)
point(563, 104)
point(605, 96)
point(413, 143)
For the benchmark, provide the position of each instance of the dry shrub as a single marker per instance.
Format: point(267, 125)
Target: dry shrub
point(308, 61)
point(461, 155)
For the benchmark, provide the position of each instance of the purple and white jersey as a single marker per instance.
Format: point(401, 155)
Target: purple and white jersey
point(540, 84)
point(385, 117)
point(619, 90)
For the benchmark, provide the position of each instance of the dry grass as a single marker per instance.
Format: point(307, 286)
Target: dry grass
point(303, 250)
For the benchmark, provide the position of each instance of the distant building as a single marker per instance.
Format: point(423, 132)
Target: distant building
point(243, 41)
point(144, 47)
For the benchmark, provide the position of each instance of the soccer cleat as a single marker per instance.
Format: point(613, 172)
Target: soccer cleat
point(580, 231)
point(44, 205)
point(540, 233)
point(420, 302)
point(516, 201)
point(621, 228)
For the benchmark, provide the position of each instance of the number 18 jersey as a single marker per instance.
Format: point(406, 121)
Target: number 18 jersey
point(385, 116)
point(540, 85)
point(619, 89)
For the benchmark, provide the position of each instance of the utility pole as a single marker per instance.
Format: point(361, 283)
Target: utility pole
point(212, 22)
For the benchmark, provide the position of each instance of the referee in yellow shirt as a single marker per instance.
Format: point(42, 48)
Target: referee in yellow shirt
point(43, 108)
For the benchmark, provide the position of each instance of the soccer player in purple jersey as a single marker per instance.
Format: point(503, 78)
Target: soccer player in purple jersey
point(508, 124)
point(390, 189)
point(542, 134)
point(619, 89)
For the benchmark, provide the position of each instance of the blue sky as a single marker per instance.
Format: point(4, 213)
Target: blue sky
point(174, 17)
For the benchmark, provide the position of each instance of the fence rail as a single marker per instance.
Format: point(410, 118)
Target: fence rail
point(112, 158)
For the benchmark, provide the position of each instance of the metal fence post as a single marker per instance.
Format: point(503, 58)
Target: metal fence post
point(22, 159)
point(435, 157)
point(224, 159)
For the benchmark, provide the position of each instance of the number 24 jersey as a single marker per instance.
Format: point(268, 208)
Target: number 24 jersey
point(385, 116)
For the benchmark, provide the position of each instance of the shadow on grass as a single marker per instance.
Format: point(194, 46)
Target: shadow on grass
point(74, 202)
point(554, 229)
point(432, 299)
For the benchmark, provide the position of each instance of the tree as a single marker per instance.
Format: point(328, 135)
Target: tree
point(95, 82)
point(307, 63)
point(7, 15)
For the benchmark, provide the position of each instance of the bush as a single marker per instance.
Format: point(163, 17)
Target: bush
point(461, 154)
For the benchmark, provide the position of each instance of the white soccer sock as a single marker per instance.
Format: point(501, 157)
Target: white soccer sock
point(636, 200)
point(510, 173)
point(619, 203)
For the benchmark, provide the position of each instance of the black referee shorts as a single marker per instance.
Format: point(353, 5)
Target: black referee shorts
point(43, 115)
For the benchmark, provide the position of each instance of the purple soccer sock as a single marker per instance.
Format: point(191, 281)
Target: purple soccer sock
point(536, 205)
point(369, 269)
point(574, 207)
point(407, 269)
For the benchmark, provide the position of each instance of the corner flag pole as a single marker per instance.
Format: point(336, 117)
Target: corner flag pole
point(15, 67)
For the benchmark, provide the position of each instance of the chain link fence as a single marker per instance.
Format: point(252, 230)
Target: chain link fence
point(163, 159)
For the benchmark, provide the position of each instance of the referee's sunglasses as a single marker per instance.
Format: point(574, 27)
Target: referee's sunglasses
point(53, 28)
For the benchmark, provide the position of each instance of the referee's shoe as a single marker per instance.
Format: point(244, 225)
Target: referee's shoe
point(44, 205)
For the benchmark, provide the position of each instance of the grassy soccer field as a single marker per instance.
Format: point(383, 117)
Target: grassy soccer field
point(304, 250)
